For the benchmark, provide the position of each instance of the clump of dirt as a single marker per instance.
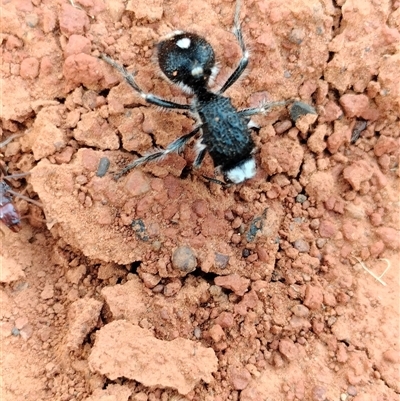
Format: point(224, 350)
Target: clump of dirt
point(166, 286)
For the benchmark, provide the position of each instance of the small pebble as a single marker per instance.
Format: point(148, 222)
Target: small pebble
point(301, 198)
point(158, 288)
point(197, 332)
point(300, 109)
point(184, 259)
point(301, 245)
point(15, 332)
point(300, 310)
point(221, 260)
point(246, 253)
point(32, 20)
point(172, 288)
point(103, 167)
point(156, 245)
point(351, 390)
point(318, 393)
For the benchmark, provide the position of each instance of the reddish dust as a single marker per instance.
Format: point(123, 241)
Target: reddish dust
point(158, 287)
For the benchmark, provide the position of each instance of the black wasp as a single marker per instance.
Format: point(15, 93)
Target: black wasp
point(188, 61)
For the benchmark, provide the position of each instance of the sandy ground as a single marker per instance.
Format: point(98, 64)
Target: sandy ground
point(164, 287)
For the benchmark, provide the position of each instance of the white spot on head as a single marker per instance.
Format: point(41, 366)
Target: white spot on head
point(242, 172)
point(183, 43)
point(197, 71)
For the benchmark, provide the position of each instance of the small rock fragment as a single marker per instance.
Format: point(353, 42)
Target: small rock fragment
point(82, 317)
point(150, 280)
point(354, 105)
point(352, 391)
point(92, 130)
point(216, 333)
point(357, 173)
point(376, 248)
point(385, 145)
point(77, 44)
point(73, 20)
point(184, 259)
point(321, 185)
point(233, 282)
point(299, 109)
point(331, 111)
point(282, 155)
point(301, 198)
point(358, 128)
point(301, 245)
point(239, 378)
point(74, 275)
point(139, 228)
point(288, 349)
point(389, 236)
point(221, 260)
point(48, 292)
point(314, 297)
point(29, 68)
point(300, 310)
point(21, 322)
point(341, 135)
point(318, 393)
point(172, 289)
point(82, 69)
point(256, 226)
point(15, 332)
point(137, 183)
point(225, 319)
point(45, 138)
point(327, 229)
point(103, 167)
point(316, 142)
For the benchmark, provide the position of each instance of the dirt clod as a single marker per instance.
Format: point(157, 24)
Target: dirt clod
point(284, 287)
point(183, 372)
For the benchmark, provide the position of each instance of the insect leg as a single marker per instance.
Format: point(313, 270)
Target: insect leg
point(244, 61)
point(200, 153)
point(174, 147)
point(263, 108)
point(150, 98)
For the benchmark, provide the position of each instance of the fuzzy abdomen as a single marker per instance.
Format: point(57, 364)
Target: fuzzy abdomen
point(225, 133)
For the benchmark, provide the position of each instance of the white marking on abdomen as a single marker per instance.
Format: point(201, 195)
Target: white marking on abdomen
point(242, 172)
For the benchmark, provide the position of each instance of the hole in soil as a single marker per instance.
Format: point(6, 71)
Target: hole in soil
point(331, 55)
point(209, 277)
point(185, 172)
point(60, 99)
point(134, 266)
point(104, 92)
